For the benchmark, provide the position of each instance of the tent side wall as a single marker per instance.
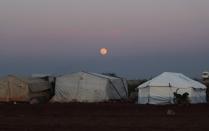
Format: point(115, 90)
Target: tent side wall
point(119, 86)
point(160, 95)
point(143, 95)
point(164, 95)
point(198, 96)
point(98, 88)
point(40, 89)
point(13, 89)
point(4, 90)
point(92, 88)
point(19, 90)
point(195, 95)
point(80, 87)
point(125, 84)
point(155, 95)
point(112, 91)
point(66, 88)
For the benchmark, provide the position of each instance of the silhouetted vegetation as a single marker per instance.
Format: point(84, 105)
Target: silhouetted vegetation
point(206, 83)
point(132, 89)
point(207, 90)
point(181, 99)
point(133, 84)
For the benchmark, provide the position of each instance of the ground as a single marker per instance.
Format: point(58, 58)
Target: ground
point(103, 116)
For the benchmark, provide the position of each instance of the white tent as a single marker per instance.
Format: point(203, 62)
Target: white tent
point(160, 89)
point(89, 87)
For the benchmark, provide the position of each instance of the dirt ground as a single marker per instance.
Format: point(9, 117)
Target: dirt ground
point(103, 116)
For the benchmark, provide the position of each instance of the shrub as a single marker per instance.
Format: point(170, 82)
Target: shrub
point(181, 99)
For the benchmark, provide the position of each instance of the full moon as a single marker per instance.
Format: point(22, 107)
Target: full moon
point(103, 51)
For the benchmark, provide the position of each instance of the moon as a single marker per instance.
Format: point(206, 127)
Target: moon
point(103, 51)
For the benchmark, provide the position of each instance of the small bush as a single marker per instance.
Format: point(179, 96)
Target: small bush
point(181, 99)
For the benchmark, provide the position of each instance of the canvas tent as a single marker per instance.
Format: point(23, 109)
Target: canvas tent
point(160, 89)
point(89, 87)
point(21, 89)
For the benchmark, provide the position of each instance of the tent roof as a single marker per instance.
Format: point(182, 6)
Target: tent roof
point(178, 80)
point(102, 76)
point(93, 74)
point(35, 84)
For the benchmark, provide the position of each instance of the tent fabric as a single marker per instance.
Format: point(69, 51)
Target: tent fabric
point(21, 89)
point(160, 89)
point(38, 85)
point(89, 87)
point(13, 89)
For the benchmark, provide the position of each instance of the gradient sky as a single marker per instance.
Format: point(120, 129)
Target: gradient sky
point(144, 37)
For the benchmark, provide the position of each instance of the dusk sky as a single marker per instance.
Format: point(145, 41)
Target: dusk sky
point(144, 37)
